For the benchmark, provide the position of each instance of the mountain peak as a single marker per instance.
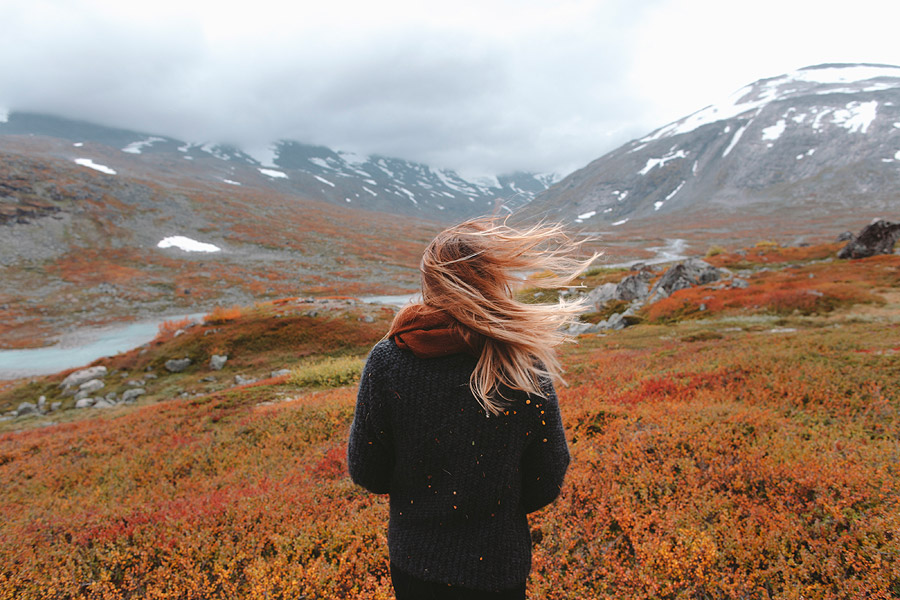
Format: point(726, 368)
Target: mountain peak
point(818, 142)
point(830, 78)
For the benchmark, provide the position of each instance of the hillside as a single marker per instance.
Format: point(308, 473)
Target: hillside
point(782, 156)
point(80, 247)
point(285, 167)
point(745, 449)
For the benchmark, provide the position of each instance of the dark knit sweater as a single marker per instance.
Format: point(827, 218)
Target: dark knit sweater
point(460, 483)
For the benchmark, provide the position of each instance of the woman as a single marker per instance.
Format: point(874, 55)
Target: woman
point(457, 418)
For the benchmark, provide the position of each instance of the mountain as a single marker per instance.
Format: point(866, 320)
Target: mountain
point(313, 172)
point(820, 142)
point(101, 224)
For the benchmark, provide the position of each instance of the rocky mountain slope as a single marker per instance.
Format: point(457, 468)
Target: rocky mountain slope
point(821, 142)
point(311, 172)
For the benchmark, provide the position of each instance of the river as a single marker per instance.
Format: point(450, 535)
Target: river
point(81, 347)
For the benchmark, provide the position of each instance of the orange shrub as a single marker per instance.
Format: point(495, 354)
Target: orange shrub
point(220, 315)
point(168, 328)
point(749, 465)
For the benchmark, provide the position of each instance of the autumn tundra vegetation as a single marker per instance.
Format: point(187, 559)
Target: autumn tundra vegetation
point(731, 442)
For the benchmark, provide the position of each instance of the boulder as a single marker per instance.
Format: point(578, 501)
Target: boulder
point(177, 365)
point(847, 236)
point(702, 271)
point(131, 395)
point(54, 406)
point(601, 294)
point(218, 361)
point(239, 380)
point(633, 287)
point(616, 321)
point(85, 403)
point(737, 282)
point(91, 386)
point(78, 377)
point(103, 403)
point(676, 278)
point(578, 327)
point(878, 237)
point(689, 273)
point(280, 372)
point(27, 408)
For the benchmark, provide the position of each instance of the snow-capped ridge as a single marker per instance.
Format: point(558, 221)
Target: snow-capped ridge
point(809, 142)
point(827, 79)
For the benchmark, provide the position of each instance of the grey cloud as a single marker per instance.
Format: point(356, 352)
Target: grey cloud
point(552, 101)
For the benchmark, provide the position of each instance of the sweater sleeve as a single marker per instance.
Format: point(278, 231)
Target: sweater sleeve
point(370, 453)
point(546, 458)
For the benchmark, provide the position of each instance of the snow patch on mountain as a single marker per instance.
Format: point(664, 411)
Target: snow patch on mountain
point(652, 163)
point(453, 185)
point(265, 155)
point(735, 139)
point(845, 74)
point(215, 150)
point(136, 147)
point(675, 191)
point(273, 173)
point(320, 162)
point(187, 244)
point(409, 194)
point(352, 158)
point(323, 180)
point(857, 116)
point(87, 162)
point(4, 115)
point(774, 132)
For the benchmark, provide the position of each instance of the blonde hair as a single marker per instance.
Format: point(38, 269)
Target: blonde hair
point(470, 271)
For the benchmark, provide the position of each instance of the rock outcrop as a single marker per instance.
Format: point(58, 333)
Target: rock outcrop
point(75, 379)
point(177, 365)
point(878, 237)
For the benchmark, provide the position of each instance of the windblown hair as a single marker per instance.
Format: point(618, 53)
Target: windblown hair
point(471, 270)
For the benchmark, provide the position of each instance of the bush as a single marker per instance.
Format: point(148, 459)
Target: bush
point(220, 315)
point(168, 328)
point(331, 372)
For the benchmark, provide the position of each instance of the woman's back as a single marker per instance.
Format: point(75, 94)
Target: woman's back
point(456, 416)
point(460, 483)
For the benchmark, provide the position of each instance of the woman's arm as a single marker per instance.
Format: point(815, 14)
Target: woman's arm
point(546, 458)
point(370, 456)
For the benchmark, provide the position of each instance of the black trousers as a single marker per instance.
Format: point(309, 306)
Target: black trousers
point(407, 587)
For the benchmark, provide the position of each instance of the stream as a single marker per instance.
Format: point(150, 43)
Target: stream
point(81, 347)
point(86, 345)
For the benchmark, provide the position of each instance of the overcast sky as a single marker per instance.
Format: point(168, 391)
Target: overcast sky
point(483, 86)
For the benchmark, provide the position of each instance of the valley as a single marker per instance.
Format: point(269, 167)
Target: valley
point(730, 442)
point(731, 403)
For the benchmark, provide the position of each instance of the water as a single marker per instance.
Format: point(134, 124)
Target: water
point(671, 252)
point(80, 348)
point(401, 300)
